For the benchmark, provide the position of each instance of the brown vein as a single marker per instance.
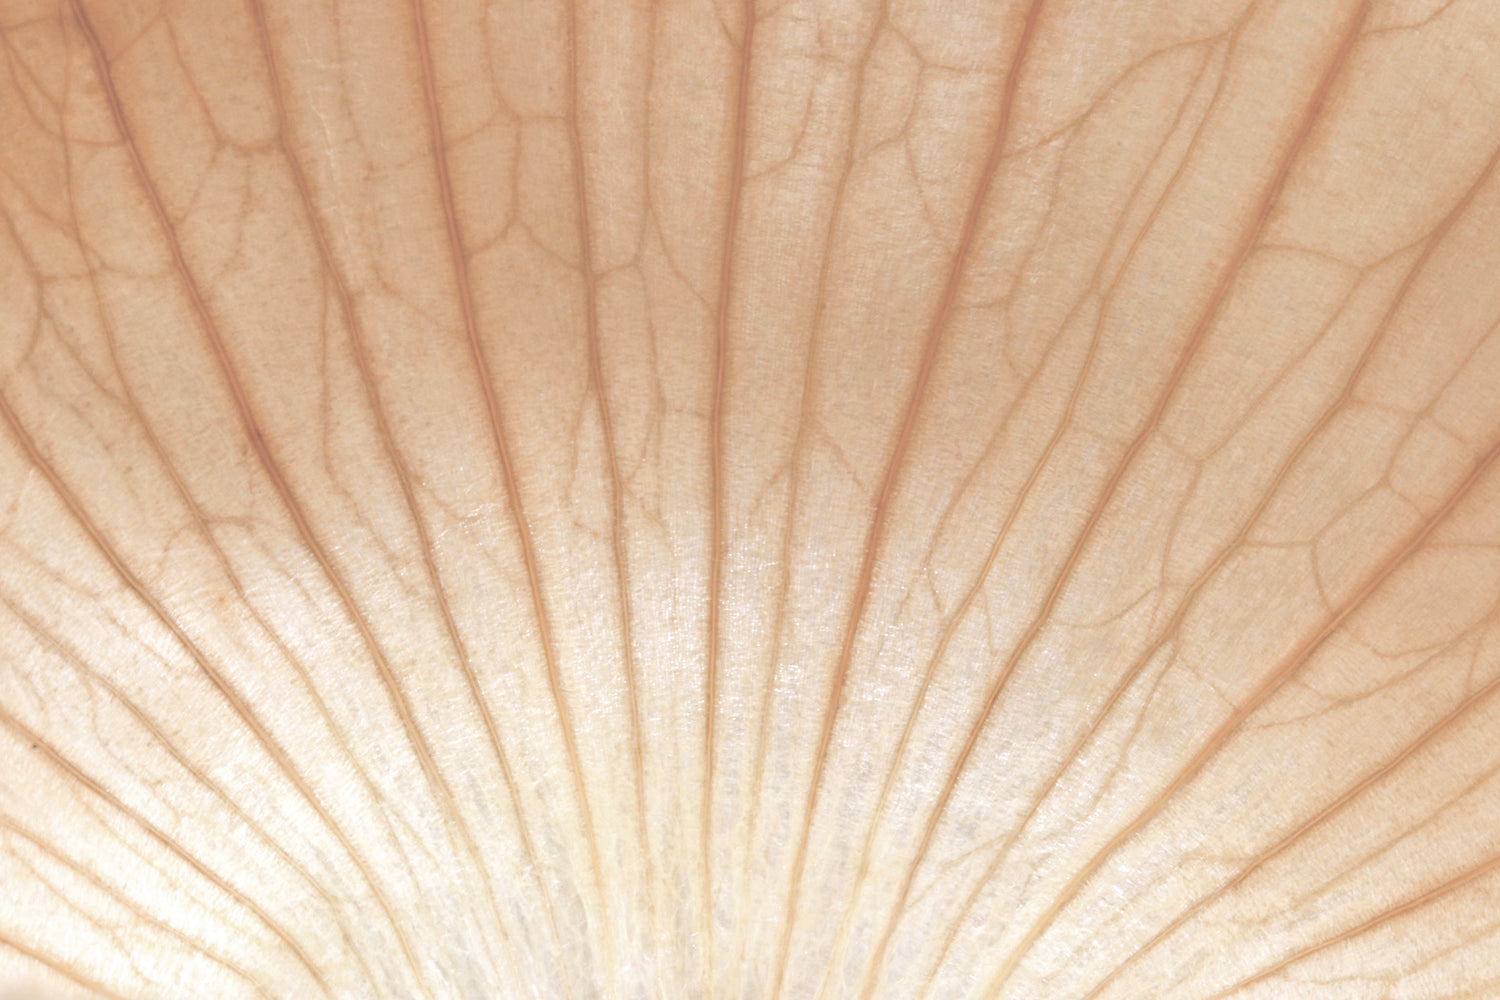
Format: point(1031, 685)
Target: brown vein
point(716, 459)
point(61, 490)
point(997, 685)
point(1237, 718)
point(1343, 399)
point(616, 481)
point(60, 966)
point(201, 522)
point(257, 440)
point(403, 474)
point(1210, 312)
point(873, 538)
point(1400, 910)
point(70, 655)
point(1364, 784)
point(617, 484)
point(1457, 804)
point(1187, 602)
point(460, 265)
point(72, 771)
point(835, 214)
point(10, 826)
point(960, 613)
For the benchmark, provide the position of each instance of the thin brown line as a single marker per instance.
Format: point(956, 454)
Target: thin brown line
point(970, 596)
point(403, 474)
point(66, 652)
point(10, 826)
point(966, 237)
point(60, 967)
point(835, 214)
point(72, 771)
point(257, 440)
point(1432, 895)
point(1236, 719)
point(616, 481)
point(716, 461)
point(1231, 272)
point(460, 263)
point(218, 681)
point(1344, 397)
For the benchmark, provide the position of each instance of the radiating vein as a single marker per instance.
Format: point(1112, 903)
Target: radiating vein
point(241, 708)
point(1188, 602)
point(60, 966)
point(861, 73)
point(74, 658)
point(1346, 394)
point(874, 536)
point(11, 827)
point(1231, 724)
point(616, 481)
point(1432, 895)
point(1210, 312)
point(804, 401)
point(81, 778)
point(1152, 421)
point(1336, 354)
point(392, 452)
point(997, 684)
point(222, 559)
point(1364, 784)
point(739, 133)
point(250, 424)
point(460, 264)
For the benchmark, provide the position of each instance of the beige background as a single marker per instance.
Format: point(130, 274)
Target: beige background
point(788, 501)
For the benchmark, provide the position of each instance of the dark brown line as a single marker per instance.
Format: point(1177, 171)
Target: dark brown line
point(9, 825)
point(803, 404)
point(259, 445)
point(66, 652)
point(222, 559)
point(1401, 909)
point(616, 482)
point(497, 429)
point(862, 68)
point(874, 537)
point(1418, 266)
point(716, 485)
point(68, 768)
point(1310, 116)
point(1363, 785)
point(403, 474)
point(970, 596)
point(1237, 718)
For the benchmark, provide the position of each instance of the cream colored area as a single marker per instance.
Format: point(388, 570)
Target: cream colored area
point(801, 501)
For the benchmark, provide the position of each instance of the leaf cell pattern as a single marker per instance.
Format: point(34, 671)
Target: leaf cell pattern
point(820, 499)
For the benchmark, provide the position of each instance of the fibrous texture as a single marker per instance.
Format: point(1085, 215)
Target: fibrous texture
point(769, 501)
